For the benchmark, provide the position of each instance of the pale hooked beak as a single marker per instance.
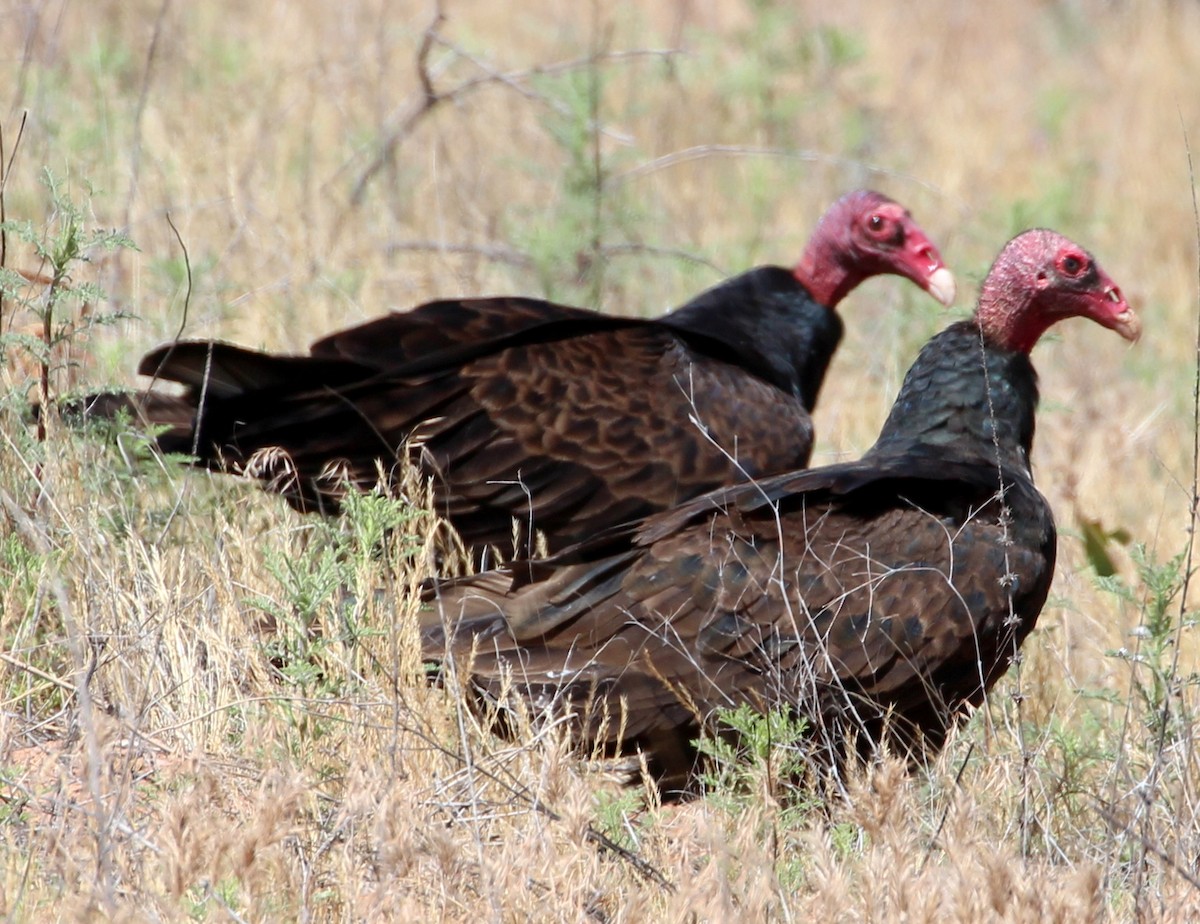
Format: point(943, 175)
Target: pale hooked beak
point(1126, 323)
point(940, 281)
point(940, 285)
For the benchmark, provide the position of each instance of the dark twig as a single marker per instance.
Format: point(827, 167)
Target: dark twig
point(431, 97)
point(496, 253)
point(57, 281)
point(1149, 846)
point(946, 811)
point(187, 266)
point(85, 706)
point(673, 253)
point(1150, 785)
point(600, 39)
point(143, 93)
point(500, 253)
point(5, 171)
point(187, 301)
point(517, 80)
point(706, 151)
point(601, 841)
point(1012, 622)
point(1194, 505)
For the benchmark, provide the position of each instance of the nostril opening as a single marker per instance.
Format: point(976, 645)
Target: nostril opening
point(1114, 295)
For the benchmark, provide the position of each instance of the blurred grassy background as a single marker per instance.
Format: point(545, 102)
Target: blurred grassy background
point(622, 156)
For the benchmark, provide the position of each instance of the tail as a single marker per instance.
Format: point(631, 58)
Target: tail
point(224, 387)
point(222, 371)
point(532, 604)
point(145, 410)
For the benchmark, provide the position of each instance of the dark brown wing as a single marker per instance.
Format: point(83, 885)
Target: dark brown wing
point(597, 430)
point(567, 435)
point(567, 420)
point(435, 328)
point(563, 419)
point(859, 599)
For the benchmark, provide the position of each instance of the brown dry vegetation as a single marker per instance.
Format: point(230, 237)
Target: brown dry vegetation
point(210, 705)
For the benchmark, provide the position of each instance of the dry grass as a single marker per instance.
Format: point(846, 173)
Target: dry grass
point(208, 709)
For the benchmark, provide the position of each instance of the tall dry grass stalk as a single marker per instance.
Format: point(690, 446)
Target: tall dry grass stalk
point(211, 709)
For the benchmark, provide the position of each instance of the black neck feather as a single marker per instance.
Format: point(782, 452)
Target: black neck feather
point(968, 396)
point(767, 322)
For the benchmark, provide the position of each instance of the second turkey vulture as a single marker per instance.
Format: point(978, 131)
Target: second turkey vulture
point(563, 419)
point(881, 598)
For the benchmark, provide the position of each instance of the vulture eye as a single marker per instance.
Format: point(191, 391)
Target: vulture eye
point(1072, 265)
point(875, 223)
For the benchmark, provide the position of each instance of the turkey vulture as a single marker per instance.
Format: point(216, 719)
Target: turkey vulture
point(561, 418)
point(879, 598)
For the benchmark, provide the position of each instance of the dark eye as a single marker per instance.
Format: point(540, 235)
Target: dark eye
point(1072, 265)
point(875, 222)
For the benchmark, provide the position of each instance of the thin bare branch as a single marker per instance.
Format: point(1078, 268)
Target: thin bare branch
point(495, 253)
point(707, 151)
point(431, 97)
point(501, 253)
point(5, 172)
point(135, 155)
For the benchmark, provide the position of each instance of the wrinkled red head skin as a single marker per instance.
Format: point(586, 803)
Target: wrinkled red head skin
point(866, 234)
point(1041, 278)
